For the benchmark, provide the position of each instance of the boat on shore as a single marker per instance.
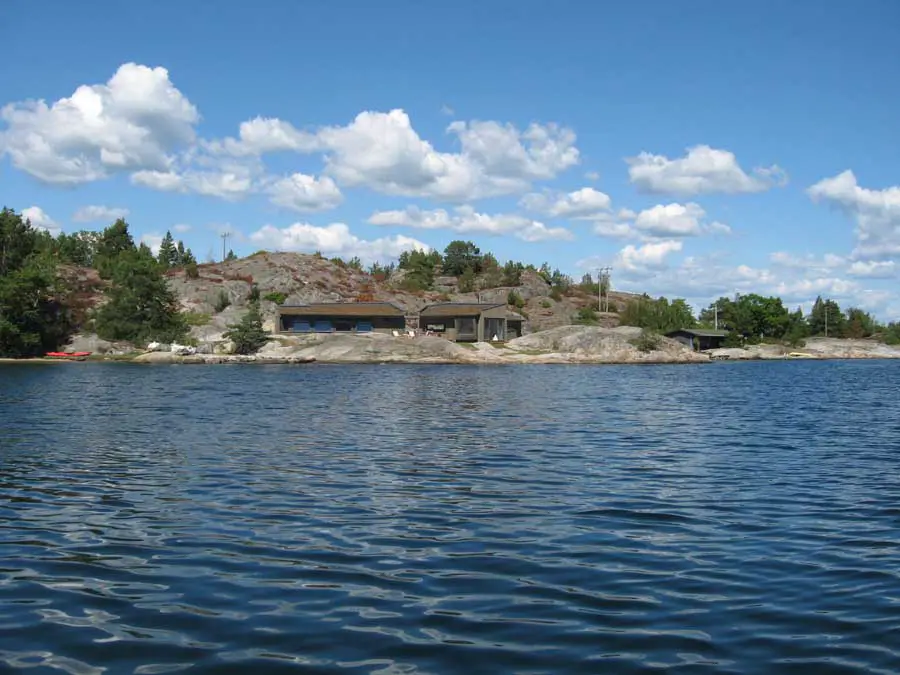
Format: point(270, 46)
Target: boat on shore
point(68, 356)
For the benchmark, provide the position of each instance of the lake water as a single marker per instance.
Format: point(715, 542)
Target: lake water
point(726, 518)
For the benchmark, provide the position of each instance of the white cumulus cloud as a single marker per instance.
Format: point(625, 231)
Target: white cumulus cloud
point(264, 135)
point(648, 256)
point(382, 151)
point(676, 220)
point(94, 213)
point(703, 170)
point(39, 219)
point(876, 212)
point(583, 203)
point(335, 239)
point(465, 220)
point(132, 122)
point(228, 185)
point(873, 269)
point(300, 192)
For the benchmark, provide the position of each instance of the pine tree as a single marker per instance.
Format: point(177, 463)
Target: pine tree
point(180, 253)
point(141, 306)
point(248, 336)
point(114, 242)
point(231, 255)
point(168, 252)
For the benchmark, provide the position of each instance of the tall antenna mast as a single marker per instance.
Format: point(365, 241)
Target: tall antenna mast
point(224, 236)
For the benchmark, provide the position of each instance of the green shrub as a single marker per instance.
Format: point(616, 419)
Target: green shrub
point(556, 294)
point(222, 302)
point(586, 316)
point(276, 296)
point(515, 300)
point(647, 341)
point(191, 271)
point(546, 304)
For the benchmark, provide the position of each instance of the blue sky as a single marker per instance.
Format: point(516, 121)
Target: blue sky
point(700, 148)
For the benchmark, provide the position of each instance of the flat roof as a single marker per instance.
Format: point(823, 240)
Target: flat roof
point(459, 308)
point(363, 309)
point(700, 332)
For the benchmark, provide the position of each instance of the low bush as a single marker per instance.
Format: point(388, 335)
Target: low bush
point(276, 296)
point(222, 301)
point(647, 341)
point(515, 300)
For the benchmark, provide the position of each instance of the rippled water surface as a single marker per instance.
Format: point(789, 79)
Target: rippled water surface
point(729, 518)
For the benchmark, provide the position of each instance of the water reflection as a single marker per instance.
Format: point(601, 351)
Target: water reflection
point(449, 519)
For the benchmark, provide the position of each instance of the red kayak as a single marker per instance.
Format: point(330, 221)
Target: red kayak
point(67, 355)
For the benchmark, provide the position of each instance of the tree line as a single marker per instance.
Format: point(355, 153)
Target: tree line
point(473, 269)
point(37, 304)
point(753, 318)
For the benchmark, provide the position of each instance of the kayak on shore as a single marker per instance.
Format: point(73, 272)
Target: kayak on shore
point(68, 355)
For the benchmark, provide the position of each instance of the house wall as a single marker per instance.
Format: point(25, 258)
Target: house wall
point(341, 324)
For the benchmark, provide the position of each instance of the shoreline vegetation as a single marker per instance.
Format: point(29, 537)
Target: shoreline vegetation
point(99, 292)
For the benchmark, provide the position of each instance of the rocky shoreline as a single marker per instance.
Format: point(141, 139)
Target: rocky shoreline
point(563, 345)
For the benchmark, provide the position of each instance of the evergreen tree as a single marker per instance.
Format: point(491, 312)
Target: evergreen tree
point(231, 255)
point(248, 335)
point(860, 324)
point(34, 317)
point(180, 254)
point(141, 307)
point(79, 248)
point(827, 319)
point(467, 281)
point(169, 255)
point(460, 256)
point(512, 273)
point(186, 256)
point(420, 268)
point(797, 328)
point(114, 241)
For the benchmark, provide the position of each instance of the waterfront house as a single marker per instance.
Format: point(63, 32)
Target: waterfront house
point(341, 317)
point(699, 338)
point(469, 321)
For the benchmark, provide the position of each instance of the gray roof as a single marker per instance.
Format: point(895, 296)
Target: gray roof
point(700, 332)
point(459, 308)
point(358, 309)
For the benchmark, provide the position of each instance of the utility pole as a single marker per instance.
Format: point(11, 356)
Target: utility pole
point(224, 236)
point(826, 319)
point(716, 314)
